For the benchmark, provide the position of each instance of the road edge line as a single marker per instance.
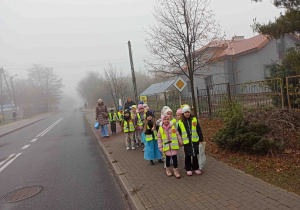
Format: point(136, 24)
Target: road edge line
point(134, 201)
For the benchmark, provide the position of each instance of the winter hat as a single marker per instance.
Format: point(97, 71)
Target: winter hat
point(179, 111)
point(141, 102)
point(120, 107)
point(186, 109)
point(111, 109)
point(145, 105)
point(168, 110)
point(127, 111)
point(134, 106)
point(140, 106)
point(163, 117)
point(149, 113)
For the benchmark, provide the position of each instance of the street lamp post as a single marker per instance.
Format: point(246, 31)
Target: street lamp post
point(13, 91)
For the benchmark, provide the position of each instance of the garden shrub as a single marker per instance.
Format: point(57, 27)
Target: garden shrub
point(239, 135)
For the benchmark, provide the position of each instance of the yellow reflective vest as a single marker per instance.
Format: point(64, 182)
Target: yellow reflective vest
point(174, 141)
point(112, 119)
point(120, 116)
point(193, 131)
point(131, 127)
point(149, 137)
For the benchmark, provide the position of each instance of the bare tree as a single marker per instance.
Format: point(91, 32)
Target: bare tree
point(90, 88)
point(115, 83)
point(184, 40)
point(48, 83)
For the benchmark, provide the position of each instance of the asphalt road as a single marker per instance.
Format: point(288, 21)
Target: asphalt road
point(65, 160)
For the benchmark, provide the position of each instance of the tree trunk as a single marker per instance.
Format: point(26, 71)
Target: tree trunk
point(193, 97)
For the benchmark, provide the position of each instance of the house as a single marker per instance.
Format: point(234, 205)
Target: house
point(242, 60)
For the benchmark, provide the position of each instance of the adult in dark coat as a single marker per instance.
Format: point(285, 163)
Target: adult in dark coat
point(102, 117)
point(129, 103)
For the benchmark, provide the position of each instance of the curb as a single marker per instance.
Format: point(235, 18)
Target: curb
point(26, 125)
point(134, 201)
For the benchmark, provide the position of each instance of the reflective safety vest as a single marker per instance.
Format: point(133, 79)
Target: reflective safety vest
point(112, 119)
point(139, 122)
point(174, 121)
point(120, 115)
point(184, 136)
point(174, 140)
point(149, 137)
point(131, 127)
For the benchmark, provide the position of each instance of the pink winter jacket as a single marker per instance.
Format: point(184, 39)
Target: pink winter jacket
point(170, 152)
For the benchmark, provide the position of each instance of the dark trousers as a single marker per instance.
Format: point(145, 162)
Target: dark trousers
point(174, 158)
point(113, 127)
point(189, 166)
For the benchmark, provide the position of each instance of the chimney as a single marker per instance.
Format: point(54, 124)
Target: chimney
point(237, 38)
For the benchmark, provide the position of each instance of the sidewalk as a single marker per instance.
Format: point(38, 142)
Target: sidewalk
point(11, 127)
point(219, 187)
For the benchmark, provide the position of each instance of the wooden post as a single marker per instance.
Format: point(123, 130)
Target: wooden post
point(281, 89)
point(287, 91)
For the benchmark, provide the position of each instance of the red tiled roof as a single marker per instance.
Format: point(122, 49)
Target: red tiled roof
point(245, 45)
point(237, 47)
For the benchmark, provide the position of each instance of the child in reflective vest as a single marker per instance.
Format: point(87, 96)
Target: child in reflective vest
point(169, 142)
point(120, 114)
point(191, 134)
point(112, 119)
point(128, 129)
point(151, 147)
point(140, 117)
point(138, 123)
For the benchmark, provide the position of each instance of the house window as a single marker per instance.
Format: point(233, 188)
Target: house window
point(280, 47)
point(267, 71)
point(208, 80)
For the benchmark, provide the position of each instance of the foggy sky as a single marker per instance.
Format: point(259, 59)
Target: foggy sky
point(75, 36)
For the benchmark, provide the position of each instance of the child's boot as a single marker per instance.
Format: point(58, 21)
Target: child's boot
point(198, 172)
point(168, 172)
point(151, 162)
point(176, 173)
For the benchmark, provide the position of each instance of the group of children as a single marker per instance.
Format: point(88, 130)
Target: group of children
point(162, 138)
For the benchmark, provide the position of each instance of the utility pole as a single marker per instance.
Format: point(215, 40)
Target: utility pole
point(133, 74)
point(1, 94)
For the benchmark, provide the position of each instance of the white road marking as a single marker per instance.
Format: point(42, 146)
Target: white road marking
point(9, 157)
point(9, 162)
point(51, 126)
point(25, 146)
point(33, 140)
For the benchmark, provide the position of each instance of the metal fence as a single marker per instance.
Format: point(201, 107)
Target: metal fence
point(284, 93)
point(293, 92)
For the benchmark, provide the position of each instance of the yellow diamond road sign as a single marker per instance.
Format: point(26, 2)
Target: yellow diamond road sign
point(180, 84)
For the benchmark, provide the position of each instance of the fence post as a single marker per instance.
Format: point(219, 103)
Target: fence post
point(287, 92)
point(281, 89)
point(228, 91)
point(166, 103)
point(208, 101)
